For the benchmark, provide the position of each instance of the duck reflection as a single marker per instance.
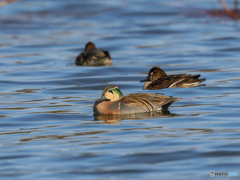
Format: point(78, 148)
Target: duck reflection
point(115, 118)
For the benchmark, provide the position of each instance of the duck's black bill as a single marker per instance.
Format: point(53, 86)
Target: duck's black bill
point(101, 99)
point(144, 80)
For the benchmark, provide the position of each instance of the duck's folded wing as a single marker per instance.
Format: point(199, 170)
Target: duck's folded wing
point(186, 80)
point(107, 54)
point(96, 53)
point(133, 104)
point(80, 59)
point(173, 81)
point(147, 101)
point(166, 81)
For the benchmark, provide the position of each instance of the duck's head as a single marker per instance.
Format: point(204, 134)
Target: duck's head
point(154, 74)
point(90, 46)
point(110, 93)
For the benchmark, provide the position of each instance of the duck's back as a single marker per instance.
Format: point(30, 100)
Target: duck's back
point(176, 81)
point(144, 102)
point(94, 57)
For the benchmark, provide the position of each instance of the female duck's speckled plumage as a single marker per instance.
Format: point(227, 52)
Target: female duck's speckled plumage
point(92, 56)
point(113, 102)
point(158, 79)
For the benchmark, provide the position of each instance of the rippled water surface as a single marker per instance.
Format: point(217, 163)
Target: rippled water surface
point(47, 127)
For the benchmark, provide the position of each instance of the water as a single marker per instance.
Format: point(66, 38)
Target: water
point(48, 130)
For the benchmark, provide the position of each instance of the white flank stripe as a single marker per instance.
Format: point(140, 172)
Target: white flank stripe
point(175, 83)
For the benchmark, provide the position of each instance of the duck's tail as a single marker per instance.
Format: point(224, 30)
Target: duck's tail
point(193, 81)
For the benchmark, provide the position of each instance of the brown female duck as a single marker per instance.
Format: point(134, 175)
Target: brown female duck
point(158, 79)
point(113, 102)
point(92, 56)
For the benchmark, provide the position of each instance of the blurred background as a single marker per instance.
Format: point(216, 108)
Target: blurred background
point(47, 127)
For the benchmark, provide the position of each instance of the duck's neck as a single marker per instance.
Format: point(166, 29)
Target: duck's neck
point(147, 83)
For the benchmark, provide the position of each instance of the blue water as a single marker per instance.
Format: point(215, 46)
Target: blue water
point(47, 127)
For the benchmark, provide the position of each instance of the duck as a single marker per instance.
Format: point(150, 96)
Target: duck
point(113, 102)
point(158, 79)
point(91, 56)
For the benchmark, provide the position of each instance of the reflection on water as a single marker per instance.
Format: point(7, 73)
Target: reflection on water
point(115, 118)
point(48, 130)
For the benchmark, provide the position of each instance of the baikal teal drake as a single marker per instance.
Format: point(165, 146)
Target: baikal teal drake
point(113, 102)
point(92, 56)
point(158, 79)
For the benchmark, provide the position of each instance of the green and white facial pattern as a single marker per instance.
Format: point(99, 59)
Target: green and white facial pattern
point(113, 94)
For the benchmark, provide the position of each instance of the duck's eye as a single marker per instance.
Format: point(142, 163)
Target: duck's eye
point(110, 91)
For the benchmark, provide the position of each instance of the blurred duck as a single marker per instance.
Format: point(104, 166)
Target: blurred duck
point(113, 102)
point(158, 79)
point(92, 56)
